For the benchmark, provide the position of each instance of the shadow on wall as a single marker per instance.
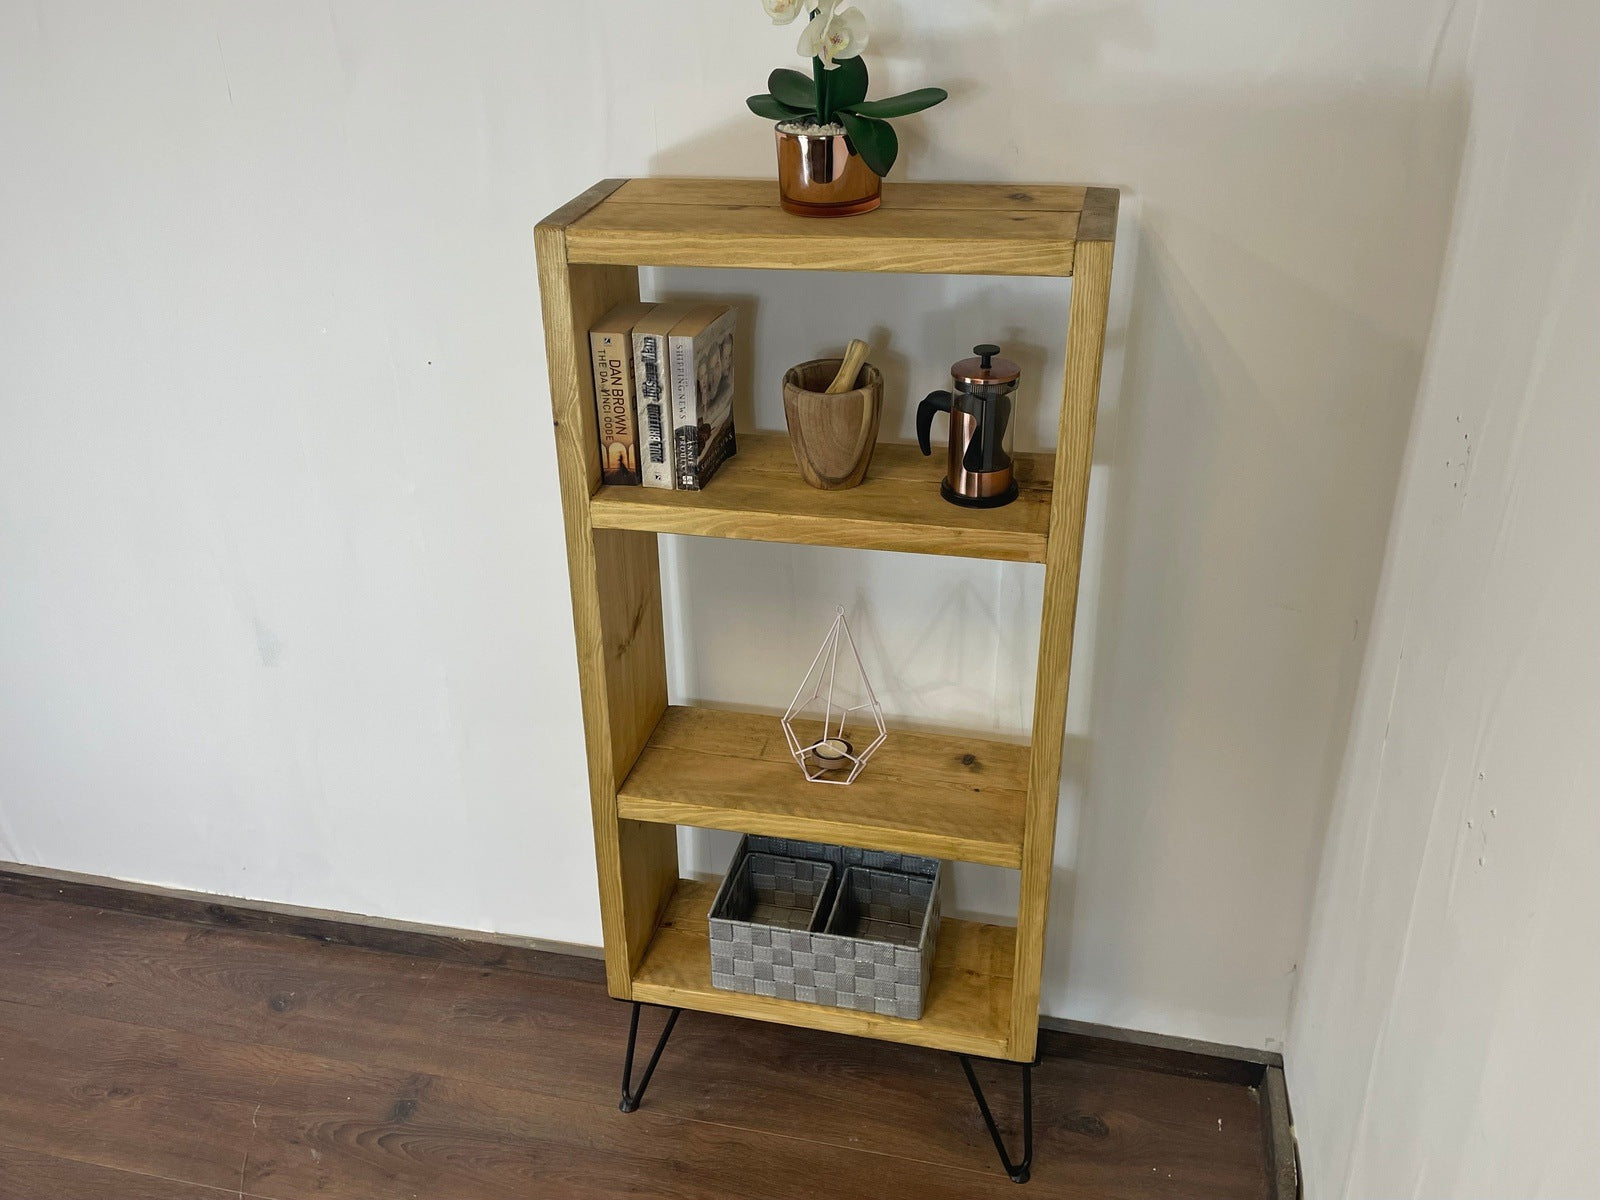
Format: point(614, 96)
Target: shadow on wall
point(1280, 294)
point(1281, 303)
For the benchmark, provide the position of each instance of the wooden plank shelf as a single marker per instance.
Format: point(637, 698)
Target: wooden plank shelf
point(758, 495)
point(651, 767)
point(968, 1006)
point(943, 796)
point(942, 228)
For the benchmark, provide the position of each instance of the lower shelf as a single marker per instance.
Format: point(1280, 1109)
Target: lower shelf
point(968, 1007)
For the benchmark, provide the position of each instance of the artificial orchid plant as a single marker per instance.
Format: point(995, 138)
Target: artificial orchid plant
point(836, 92)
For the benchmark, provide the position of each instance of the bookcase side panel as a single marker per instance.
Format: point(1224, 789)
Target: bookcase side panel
point(1086, 328)
point(613, 674)
point(633, 648)
point(648, 856)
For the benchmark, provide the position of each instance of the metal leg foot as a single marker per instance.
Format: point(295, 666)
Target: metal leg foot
point(630, 1097)
point(1019, 1170)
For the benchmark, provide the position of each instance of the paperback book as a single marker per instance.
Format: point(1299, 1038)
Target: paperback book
point(611, 348)
point(652, 374)
point(701, 347)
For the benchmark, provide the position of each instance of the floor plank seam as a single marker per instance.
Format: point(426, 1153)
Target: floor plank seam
point(980, 1171)
point(227, 1054)
point(118, 1169)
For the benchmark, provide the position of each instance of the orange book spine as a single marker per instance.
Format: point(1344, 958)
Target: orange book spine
point(613, 399)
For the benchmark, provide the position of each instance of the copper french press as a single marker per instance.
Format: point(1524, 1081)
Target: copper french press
point(978, 471)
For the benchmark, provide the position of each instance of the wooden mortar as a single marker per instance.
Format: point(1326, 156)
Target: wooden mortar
point(833, 435)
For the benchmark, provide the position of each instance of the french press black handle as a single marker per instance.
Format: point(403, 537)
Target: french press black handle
point(936, 402)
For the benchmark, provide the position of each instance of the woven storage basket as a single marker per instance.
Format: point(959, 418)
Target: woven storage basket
point(875, 953)
point(880, 935)
point(765, 904)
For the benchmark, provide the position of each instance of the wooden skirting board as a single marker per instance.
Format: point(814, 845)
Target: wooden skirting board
point(1156, 1051)
point(469, 948)
point(1277, 1136)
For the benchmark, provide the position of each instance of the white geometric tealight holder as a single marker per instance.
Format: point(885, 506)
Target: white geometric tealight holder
point(836, 690)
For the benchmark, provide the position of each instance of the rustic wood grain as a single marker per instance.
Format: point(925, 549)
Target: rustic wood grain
point(832, 433)
point(278, 1124)
point(305, 1125)
point(939, 197)
point(616, 603)
point(318, 998)
point(1061, 1037)
point(949, 229)
point(281, 1068)
point(1099, 220)
point(759, 495)
point(949, 796)
point(1086, 334)
point(25, 1175)
point(587, 255)
point(967, 1007)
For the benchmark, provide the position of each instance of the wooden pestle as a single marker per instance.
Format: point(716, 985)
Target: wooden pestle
point(845, 380)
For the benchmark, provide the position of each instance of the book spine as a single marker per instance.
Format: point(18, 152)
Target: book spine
point(651, 374)
point(711, 360)
point(722, 446)
point(613, 399)
point(685, 415)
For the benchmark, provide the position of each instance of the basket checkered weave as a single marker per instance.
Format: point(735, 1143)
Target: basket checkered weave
point(875, 953)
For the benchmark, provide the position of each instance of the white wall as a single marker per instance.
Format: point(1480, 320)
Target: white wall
point(1446, 1040)
point(283, 613)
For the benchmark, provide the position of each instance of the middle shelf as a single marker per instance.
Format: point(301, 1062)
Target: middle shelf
point(758, 495)
point(943, 795)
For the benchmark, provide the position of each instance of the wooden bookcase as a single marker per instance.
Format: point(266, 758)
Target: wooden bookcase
point(653, 766)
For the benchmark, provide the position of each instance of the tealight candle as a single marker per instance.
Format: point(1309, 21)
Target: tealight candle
point(832, 749)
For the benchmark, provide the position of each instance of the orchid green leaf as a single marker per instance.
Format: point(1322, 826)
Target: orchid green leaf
point(792, 89)
point(874, 140)
point(772, 108)
point(900, 106)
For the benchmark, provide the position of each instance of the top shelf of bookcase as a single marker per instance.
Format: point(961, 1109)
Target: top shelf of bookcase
point(925, 228)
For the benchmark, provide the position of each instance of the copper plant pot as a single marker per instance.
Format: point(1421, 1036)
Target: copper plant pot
point(819, 177)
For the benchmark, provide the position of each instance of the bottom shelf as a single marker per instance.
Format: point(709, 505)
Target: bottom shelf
point(969, 999)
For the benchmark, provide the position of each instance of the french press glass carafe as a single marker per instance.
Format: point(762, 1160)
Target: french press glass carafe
point(978, 468)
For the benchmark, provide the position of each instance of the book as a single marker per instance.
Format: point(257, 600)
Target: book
point(701, 346)
point(611, 350)
point(652, 385)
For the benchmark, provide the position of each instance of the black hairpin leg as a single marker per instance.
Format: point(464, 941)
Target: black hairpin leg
point(631, 1098)
point(1018, 1170)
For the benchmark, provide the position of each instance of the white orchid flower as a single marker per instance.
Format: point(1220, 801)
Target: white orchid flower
point(834, 33)
point(783, 12)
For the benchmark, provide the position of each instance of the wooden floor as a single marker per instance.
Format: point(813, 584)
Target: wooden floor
point(148, 1059)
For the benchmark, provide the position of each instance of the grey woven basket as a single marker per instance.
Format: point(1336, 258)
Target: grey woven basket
point(880, 936)
point(875, 953)
point(762, 907)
